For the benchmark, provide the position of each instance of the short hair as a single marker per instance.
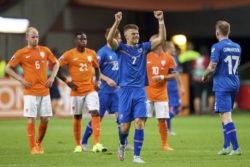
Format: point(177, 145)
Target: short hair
point(223, 27)
point(29, 29)
point(130, 26)
point(79, 33)
point(107, 32)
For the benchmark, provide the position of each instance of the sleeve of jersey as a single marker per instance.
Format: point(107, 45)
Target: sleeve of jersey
point(95, 61)
point(172, 65)
point(63, 60)
point(215, 53)
point(147, 46)
point(99, 57)
point(51, 56)
point(15, 59)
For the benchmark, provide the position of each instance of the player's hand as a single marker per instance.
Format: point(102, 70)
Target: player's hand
point(158, 14)
point(182, 89)
point(98, 85)
point(49, 82)
point(157, 78)
point(72, 85)
point(118, 16)
point(111, 83)
point(205, 78)
point(25, 83)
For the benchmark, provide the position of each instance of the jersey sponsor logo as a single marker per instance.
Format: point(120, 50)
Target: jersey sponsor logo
point(42, 54)
point(163, 62)
point(89, 58)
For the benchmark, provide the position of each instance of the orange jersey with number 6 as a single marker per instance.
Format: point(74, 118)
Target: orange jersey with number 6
point(158, 65)
point(34, 64)
point(80, 66)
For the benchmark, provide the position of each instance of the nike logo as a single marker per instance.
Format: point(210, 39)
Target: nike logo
point(27, 57)
point(148, 62)
point(75, 59)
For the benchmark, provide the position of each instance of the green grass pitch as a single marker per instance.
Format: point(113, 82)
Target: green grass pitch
point(196, 144)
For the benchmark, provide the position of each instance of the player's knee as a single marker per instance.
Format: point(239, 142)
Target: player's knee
point(94, 113)
point(139, 123)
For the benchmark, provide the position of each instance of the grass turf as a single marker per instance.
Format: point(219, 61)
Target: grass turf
point(196, 144)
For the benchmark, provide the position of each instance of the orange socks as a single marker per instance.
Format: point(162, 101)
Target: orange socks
point(163, 130)
point(77, 130)
point(31, 134)
point(41, 132)
point(96, 127)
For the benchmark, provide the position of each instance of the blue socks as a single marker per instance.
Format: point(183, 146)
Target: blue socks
point(138, 141)
point(231, 133)
point(87, 133)
point(226, 138)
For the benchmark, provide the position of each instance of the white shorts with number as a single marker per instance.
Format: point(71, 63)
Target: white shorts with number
point(90, 102)
point(37, 106)
point(160, 109)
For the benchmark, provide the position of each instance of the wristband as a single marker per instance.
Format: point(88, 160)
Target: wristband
point(162, 77)
point(161, 21)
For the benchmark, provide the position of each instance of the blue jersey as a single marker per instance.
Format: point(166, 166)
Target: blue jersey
point(172, 84)
point(227, 54)
point(108, 63)
point(132, 64)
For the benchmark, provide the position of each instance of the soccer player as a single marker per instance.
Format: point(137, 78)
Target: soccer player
point(132, 79)
point(33, 59)
point(160, 69)
point(108, 92)
point(172, 86)
point(224, 62)
point(80, 62)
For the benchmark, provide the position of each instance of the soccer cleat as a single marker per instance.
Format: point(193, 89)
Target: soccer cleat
point(34, 151)
point(85, 147)
point(121, 152)
point(167, 148)
point(171, 133)
point(129, 147)
point(99, 148)
point(137, 159)
point(39, 148)
point(224, 151)
point(78, 149)
point(235, 152)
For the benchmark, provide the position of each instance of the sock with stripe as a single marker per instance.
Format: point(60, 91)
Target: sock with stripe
point(231, 132)
point(138, 141)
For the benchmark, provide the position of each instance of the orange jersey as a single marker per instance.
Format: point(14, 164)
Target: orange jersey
point(34, 64)
point(158, 65)
point(80, 66)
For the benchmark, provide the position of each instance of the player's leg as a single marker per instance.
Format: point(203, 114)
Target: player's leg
point(92, 103)
point(140, 115)
point(162, 113)
point(30, 111)
point(45, 112)
point(77, 104)
point(125, 117)
point(104, 101)
point(224, 104)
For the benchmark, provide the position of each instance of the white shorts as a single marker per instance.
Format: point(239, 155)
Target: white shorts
point(79, 103)
point(160, 109)
point(37, 106)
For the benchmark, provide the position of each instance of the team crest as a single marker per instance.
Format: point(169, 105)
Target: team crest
point(163, 62)
point(89, 58)
point(140, 50)
point(42, 54)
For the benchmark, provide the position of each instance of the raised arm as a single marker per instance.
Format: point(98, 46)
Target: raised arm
point(110, 38)
point(162, 30)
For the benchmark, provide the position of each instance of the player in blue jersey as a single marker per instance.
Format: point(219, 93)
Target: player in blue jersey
point(224, 62)
point(132, 79)
point(108, 91)
point(173, 92)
